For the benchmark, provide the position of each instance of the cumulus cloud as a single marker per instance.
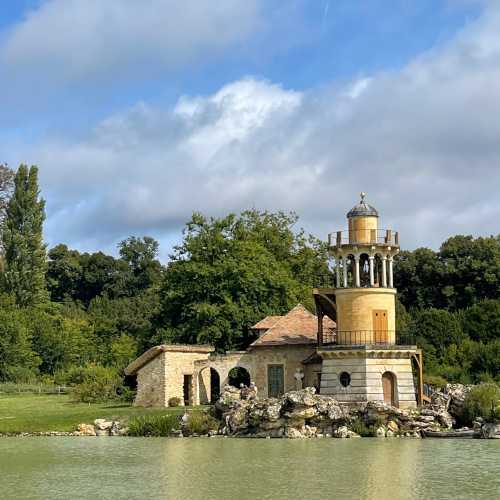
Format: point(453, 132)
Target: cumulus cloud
point(422, 141)
point(74, 40)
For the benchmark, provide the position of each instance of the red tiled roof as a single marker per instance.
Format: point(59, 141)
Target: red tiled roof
point(299, 326)
point(267, 322)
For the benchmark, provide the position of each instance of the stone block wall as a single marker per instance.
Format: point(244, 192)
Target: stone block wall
point(366, 372)
point(151, 383)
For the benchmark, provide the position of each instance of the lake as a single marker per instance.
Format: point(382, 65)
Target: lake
point(218, 468)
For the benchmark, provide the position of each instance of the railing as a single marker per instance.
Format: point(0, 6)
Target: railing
point(364, 236)
point(366, 337)
point(324, 281)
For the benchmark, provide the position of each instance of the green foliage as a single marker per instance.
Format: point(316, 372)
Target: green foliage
point(153, 425)
point(61, 337)
point(229, 273)
point(483, 401)
point(481, 322)
point(173, 402)
point(464, 271)
point(22, 238)
point(359, 427)
point(123, 351)
point(200, 423)
point(18, 362)
point(435, 380)
point(96, 383)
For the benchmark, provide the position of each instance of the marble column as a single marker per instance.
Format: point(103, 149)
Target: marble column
point(372, 271)
point(384, 271)
point(356, 271)
point(391, 279)
point(344, 270)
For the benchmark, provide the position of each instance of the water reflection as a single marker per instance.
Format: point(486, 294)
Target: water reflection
point(63, 468)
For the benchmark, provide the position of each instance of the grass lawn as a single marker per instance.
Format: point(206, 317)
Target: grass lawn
point(43, 413)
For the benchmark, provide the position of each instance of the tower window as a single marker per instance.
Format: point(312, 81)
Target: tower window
point(345, 379)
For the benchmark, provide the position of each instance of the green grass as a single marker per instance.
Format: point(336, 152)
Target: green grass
point(44, 413)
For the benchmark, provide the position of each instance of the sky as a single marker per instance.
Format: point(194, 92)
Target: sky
point(139, 113)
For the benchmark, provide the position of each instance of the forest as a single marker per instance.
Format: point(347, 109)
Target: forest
point(68, 316)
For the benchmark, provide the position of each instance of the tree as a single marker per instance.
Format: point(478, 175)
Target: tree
point(140, 254)
point(25, 259)
point(228, 273)
point(18, 361)
point(481, 322)
point(6, 187)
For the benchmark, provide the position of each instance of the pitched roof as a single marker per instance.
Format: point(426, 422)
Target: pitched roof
point(299, 326)
point(150, 354)
point(267, 322)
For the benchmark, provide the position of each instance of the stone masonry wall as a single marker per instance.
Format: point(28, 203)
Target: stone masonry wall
point(151, 383)
point(366, 379)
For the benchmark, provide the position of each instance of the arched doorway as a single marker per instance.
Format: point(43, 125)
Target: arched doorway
point(237, 376)
point(214, 386)
point(389, 388)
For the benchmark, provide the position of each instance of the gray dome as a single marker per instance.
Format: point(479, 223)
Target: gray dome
point(362, 209)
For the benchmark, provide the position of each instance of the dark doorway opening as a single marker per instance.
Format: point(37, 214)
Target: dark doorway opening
point(214, 386)
point(238, 375)
point(187, 390)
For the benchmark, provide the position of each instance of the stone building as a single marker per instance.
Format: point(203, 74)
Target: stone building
point(350, 350)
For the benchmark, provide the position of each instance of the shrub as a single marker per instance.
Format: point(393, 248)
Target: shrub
point(153, 425)
point(435, 380)
point(359, 427)
point(483, 401)
point(175, 401)
point(96, 383)
point(201, 423)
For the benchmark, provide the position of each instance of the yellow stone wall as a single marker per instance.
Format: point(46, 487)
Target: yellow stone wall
point(290, 357)
point(151, 383)
point(355, 308)
point(360, 229)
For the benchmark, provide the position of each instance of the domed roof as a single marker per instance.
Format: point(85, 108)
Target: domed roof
point(362, 209)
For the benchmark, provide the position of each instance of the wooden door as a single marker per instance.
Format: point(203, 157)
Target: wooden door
point(380, 326)
point(389, 388)
point(275, 381)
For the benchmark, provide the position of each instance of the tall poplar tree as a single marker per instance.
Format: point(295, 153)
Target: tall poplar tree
point(24, 250)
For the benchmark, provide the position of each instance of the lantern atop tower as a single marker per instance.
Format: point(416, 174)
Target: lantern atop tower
point(364, 253)
point(362, 209)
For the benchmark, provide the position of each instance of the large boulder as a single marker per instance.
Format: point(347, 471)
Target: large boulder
point(304, 397)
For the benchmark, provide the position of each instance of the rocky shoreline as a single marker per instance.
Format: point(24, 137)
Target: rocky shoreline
point(305, 414)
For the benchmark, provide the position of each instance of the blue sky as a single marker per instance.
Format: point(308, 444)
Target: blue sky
point(140, 113)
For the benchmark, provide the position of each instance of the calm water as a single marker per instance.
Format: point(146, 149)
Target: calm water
point(133, 468)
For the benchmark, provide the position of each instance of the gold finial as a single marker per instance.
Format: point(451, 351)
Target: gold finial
point(362, 196)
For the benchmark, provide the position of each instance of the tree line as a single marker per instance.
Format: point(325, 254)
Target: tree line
point(62, 310)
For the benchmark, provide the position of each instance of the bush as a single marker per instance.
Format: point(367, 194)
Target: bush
point(96, 383)
point(483, 401)
point(175, 401)
point(359, 427)
point(200, 423)
point(435, 380)
point(153, 425)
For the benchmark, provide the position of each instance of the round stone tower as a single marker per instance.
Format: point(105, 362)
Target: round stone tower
point(364, 358)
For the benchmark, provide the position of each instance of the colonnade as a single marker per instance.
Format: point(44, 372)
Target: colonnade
point(387, 270)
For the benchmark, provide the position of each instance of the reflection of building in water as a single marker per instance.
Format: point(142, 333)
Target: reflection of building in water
point(350, 350)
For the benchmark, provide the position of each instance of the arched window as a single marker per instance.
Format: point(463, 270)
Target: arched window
point(345, 379)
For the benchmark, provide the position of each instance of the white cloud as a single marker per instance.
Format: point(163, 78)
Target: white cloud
point(73, 40)
point(422, 141)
